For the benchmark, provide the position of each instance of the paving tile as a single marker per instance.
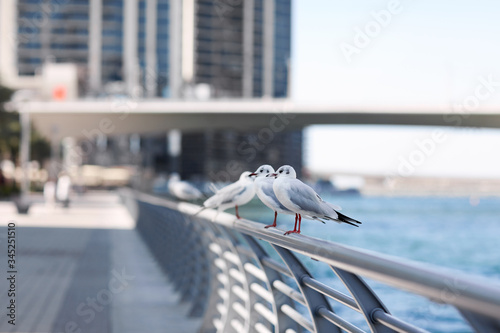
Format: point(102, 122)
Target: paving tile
point(86, 269)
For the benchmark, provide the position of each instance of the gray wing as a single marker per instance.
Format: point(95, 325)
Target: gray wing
point(267, 189)
point(231, 190)
point(224, 195)
point(232, 195)
point(305, 198)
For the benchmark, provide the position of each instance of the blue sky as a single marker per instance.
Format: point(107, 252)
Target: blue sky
point(427, 53)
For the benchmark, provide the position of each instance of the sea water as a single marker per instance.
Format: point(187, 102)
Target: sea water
point(458, 233)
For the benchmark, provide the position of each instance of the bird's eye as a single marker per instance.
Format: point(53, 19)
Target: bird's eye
point(288, 172)
point(281, 171)
point(261, 171)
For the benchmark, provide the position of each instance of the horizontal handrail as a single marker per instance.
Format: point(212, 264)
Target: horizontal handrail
point(424, 280)
point(393, 322)
point(408, 275)
point(330, 292)
point(457, 289)
point(345, 325)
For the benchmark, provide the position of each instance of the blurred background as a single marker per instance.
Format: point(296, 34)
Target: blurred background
point(389, 108)
point(191, 86)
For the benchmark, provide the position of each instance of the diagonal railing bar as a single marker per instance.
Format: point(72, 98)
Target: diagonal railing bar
point(481, 323)
point(403, 274)
point(226, 283)
point(314, 300)
point(255, 283)
point(276, 299)
point(366, 299)
point(217, 313)
point(217, 263)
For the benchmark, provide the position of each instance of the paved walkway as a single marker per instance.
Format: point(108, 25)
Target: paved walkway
point(85, 269)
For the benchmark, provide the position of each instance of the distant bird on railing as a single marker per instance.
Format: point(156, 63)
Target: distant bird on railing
point(233, 195)
point(264, 189)
point(303, 200)
point(182, 189)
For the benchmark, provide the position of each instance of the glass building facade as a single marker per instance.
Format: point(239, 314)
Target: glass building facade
point(220, 47)
point(51, 31)
point(59, 31)
point(282, 46)
point(162, 47)
point(112, 41)
point(238, 48)
point(258, 66)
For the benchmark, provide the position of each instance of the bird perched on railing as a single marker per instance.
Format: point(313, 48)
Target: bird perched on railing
point(233, 195)
point(303, 200)
point(182, 189)
point(264, 189)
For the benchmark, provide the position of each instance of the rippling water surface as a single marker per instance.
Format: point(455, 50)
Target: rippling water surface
point(456, 233)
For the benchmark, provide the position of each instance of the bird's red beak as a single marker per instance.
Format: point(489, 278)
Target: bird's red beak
point(273, 175)
point(253, 174)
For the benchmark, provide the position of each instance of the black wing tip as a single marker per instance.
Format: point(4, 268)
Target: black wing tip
point(353, 224)
point(348, 220)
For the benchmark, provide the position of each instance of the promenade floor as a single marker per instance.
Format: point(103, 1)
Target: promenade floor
point(84, 269)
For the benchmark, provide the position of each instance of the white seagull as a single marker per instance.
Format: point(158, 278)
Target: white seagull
point(303, 200)
point(264, 189)
point(233, 195)
point(182, 189)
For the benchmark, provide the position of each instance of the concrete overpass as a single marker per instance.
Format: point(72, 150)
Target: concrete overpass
point(121, 116)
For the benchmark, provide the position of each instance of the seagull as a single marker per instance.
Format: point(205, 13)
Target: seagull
point(264, 189)
point(303, 200)
point(233, 195)
point(182, 189)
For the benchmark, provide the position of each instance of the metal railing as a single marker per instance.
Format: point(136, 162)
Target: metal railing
point(241, 277)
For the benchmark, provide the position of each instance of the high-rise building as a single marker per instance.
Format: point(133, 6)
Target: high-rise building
point(180, 49)
point(150, 48)
point(223, 155)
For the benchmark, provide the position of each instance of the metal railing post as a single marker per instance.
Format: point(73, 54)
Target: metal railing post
point(283, 322)
point(315, 300)
point(202, 273)
point(239, 304)
point(367, 300)
point(217, 264)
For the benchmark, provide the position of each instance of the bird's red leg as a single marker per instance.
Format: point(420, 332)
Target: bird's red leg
point(274, 223)
point(300, 222)
point(237, 215)
point(294, 231)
